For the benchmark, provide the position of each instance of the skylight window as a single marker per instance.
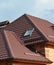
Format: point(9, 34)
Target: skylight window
point(29, 32)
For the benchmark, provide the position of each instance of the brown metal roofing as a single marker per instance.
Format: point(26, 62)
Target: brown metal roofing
point(21, 25)
point(11, 40)
point(43, 31)
point(4, 52)
point(19, 51)
point(10, 47)
point(43, 26)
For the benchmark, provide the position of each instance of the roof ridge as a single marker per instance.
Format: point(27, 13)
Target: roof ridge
point(36, 17)
point(8, 49)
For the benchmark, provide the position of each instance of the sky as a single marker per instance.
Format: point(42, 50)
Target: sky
point(12, 9)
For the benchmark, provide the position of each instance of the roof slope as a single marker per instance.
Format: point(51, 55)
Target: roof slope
point(20, 29)
point(19, 51)
point(44, 27)
point(11, 48)
point(11, 38)
point(4, 52)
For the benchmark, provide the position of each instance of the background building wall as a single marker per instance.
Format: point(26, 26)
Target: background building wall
point(49, 53)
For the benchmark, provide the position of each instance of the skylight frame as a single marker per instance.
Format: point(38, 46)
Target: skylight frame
point(28, 32)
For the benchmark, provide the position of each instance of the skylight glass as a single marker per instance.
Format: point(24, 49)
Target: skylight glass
point(29, 32)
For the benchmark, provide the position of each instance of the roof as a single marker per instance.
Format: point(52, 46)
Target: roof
point(43, 32)
point(4, 52)
point(12, 39)
point(10, 47)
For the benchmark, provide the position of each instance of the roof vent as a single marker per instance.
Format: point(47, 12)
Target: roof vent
point(4, 23)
